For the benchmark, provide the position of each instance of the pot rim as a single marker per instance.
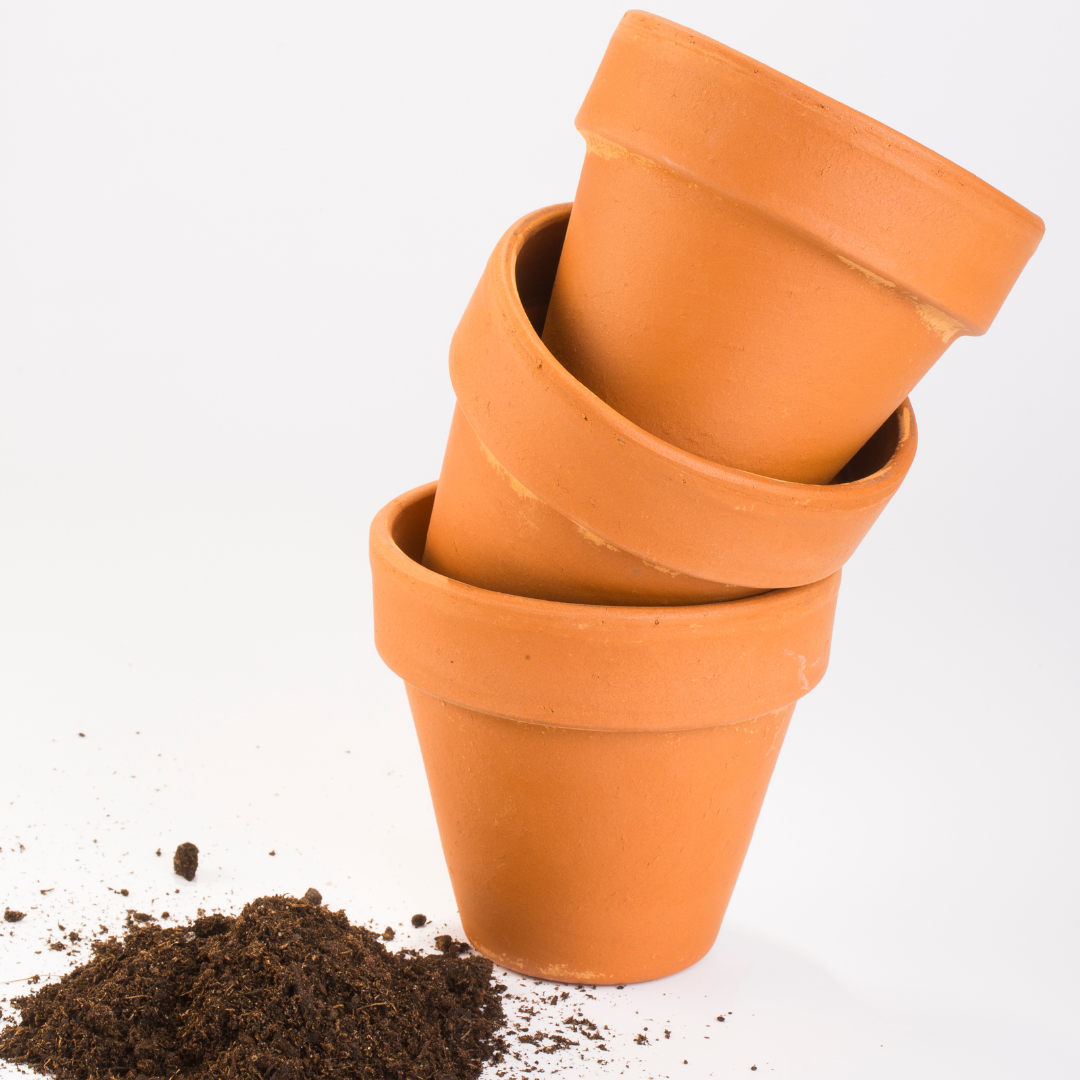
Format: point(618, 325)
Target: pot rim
point(589, 665)
point(672, 508)
point(821, 159)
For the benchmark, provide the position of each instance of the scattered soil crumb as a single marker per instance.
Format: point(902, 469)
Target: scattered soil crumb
point(286, 989)
point(446, 944)
point(388, 934)
point(186, 861)
point(419, 920)
point(11, 915)
point(313, 896)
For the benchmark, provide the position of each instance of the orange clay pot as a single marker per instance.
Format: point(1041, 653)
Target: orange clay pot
point(546, 491)
point(755, 272)
point(596, 771)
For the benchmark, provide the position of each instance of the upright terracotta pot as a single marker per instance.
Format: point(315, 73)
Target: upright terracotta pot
point(596, 771)
point(756, 273)
point(547, 491)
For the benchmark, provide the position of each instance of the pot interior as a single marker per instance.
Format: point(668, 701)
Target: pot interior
point(534, 271)
point(875, 452)
point(409, 527)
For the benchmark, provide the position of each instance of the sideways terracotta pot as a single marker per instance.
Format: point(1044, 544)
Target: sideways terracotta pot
point(547, 491)
point(596, 771)
point(756, 273)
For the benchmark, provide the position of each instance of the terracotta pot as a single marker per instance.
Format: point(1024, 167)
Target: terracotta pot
point(547, 491)
point(596, 771)
point(756, 273)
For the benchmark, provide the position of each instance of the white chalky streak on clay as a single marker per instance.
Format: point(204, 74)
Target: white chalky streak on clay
point(518, 487)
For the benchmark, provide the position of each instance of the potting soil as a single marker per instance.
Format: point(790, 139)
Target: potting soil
point(286, 990)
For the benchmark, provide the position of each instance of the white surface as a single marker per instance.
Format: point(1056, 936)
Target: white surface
point(234, 242)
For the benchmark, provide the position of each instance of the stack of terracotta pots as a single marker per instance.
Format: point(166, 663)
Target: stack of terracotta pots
point(681, 406)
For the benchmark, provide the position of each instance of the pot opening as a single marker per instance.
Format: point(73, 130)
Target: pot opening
point(409, 528)
point(534, 272)
point(875, 452)
point(535, 267)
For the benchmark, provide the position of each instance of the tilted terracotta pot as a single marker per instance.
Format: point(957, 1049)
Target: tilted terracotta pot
point(546, 491)
point(596, 771)
point(755, 272)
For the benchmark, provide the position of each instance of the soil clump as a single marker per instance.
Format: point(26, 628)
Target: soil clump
point(186, 861)
point(286, 990)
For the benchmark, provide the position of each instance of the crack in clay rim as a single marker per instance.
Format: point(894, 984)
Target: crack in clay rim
point(756, 515)
point(590, 666)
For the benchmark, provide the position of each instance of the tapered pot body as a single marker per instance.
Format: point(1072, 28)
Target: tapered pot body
point(756, 273)
point(596, 771)
point(547, 491)
point(593, 856)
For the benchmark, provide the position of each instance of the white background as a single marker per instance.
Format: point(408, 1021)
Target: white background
point(234, 242)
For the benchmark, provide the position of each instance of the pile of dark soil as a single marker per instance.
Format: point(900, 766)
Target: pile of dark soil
point(287, 990)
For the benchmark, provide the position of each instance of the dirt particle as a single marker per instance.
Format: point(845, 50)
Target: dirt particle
point(388, 934)
point(185, 861)
point(419, 920)
point(10, 915)
point(313, 896)
point(272, 852)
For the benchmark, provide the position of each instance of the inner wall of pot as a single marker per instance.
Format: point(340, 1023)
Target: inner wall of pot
point(537, 263)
